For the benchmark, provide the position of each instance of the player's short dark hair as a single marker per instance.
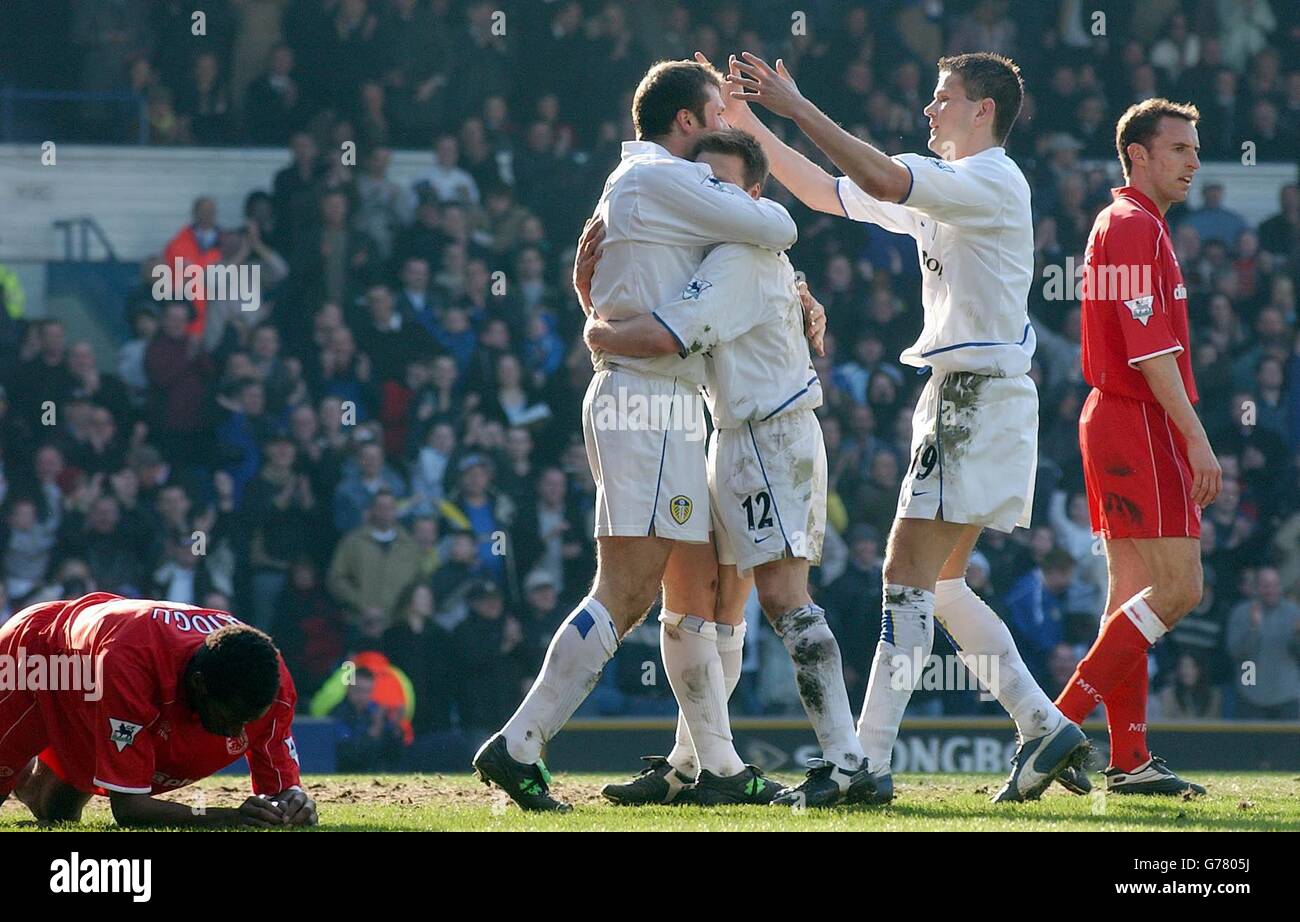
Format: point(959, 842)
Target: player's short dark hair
point(240, 668)
point(737, 143)
point(1140, 123)
point(990, 76)
point(667, 88)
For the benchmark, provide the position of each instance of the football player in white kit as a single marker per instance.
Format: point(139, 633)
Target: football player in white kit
point(644, 428)
point(974, 431)
point(744, 312)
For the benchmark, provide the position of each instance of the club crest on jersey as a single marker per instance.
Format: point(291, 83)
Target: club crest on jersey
point(680, 507)
point(122, 733)
point(718, 184)
point(237, 744)
point(694, 289)
point(1180, 293)
point(1141, 308)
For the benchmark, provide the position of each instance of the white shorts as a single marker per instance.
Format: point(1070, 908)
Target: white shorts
point(974, 451)
point(646, 446)
point(768, 485)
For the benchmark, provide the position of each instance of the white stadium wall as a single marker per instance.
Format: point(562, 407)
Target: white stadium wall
point(141, 196)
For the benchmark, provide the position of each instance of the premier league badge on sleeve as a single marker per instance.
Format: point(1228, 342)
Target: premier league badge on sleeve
point(1141, 309)
point(122, 732)
point(696, 288)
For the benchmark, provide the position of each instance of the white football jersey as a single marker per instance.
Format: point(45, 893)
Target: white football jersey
point(741, 310)
point(975, 240)
point(660, 214)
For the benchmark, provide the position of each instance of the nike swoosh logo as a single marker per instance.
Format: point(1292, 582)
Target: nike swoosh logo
point(922, 493)
point(762, 539)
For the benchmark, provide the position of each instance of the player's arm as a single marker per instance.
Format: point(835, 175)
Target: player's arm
point(807, 181)
point(637, 337)
point(273, 758)
point(694, 208)
point(875, 173)
point(1166, 383)
point(146, 810)
point(720, 303)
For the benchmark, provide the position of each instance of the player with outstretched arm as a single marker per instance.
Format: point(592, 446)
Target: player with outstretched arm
point(975, 428)
point(140, 697)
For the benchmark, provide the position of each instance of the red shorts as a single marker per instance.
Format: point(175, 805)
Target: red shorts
point(1136, 471)
point(22, 724)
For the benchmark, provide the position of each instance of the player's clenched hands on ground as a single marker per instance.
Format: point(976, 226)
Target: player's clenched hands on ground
point(751, 79)
point(814, 316)
point(260, 812)
point(584, 263)
point(298, 808)
point(1207, 475)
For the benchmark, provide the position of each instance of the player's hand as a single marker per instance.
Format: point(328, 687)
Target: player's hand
point(735, 112)
point(1207, 475)
point(760, 83)
point(260, 813)
point(299, 809)
point(584, 263)
point(814, 318)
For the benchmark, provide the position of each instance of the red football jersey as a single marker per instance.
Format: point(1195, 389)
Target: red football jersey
point(136, 734)
point(1134, 299)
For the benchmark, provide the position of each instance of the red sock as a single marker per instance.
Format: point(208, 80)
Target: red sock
point(1118, 647)
point(1126, 716)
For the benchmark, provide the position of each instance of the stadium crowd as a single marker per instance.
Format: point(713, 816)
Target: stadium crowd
point(385, 459)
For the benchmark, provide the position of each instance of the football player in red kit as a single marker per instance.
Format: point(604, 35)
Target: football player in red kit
point(129, 698)
point(1148, 466)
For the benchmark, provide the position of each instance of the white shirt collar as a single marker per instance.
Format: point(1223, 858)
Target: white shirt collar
point(640, 148)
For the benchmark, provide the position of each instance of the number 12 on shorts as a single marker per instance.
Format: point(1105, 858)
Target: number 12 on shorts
point(763, 502)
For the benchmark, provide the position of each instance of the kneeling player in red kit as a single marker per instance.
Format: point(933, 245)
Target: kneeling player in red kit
point(1147, 463)
point(129, 698)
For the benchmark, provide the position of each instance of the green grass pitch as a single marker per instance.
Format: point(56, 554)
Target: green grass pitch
point(1236, 801)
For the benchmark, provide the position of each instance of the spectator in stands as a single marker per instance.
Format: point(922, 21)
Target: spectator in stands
point(489, 658)
point(369, 476)
point(1264, 638)
point(1280, 234)
point(1190, 696)
point(373, 565)
point(198, 244)
point(1035, 608)
point(368, 738)
point(422, 648)
point(1212, 220)
point(274, 104)
point(448, 181)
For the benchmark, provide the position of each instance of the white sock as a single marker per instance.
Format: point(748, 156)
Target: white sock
point(985, 646)
point(819, 673)
point(731, 650)
point(689, 646)
point(906, 636)
point(577, 654)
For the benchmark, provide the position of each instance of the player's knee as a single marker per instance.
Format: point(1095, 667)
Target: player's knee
point(1175, 597)
point(1187, 594)
point(57, 810)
